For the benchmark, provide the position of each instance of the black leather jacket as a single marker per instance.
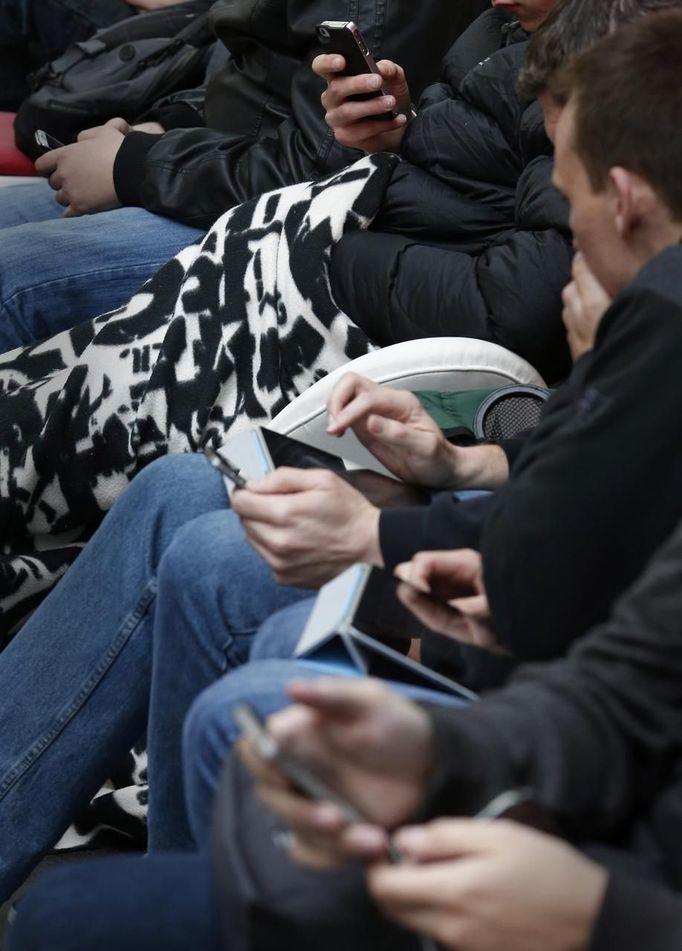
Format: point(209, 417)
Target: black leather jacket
point(264, 124)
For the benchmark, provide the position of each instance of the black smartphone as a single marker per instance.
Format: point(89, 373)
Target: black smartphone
point(344, 37)
point(46, 142)
point(224, 466)
point(287, 451)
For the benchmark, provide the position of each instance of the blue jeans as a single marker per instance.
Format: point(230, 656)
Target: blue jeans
point(129, 902)
point(56, 272)
point(159, 902)
point(210, 730)
point(164, 600)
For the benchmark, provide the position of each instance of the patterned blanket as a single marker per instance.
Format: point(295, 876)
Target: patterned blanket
point(221, 338)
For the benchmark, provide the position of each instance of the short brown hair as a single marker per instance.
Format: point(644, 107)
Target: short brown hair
point(572, 27)
point(628, 105)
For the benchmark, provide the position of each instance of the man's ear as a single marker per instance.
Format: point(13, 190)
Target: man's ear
point(624, 200)
point(633, 197)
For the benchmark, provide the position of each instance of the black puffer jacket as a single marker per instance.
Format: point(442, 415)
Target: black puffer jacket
point(473, 239)
point(264, 125)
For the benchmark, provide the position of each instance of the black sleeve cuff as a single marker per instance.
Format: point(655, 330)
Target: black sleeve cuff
point(174, 115)
point(446, 523)
point(636, 914)
point(129, 166)
point(471, 766)
point(512, 448)
point(400, 534)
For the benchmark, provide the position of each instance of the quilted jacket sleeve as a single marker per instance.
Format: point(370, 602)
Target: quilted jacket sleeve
point(507, 291)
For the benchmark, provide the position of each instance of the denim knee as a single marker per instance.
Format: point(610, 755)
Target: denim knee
point(177, 481)
point(169, 478)
point(210, 731)
point(277, 638)
point(207, 738)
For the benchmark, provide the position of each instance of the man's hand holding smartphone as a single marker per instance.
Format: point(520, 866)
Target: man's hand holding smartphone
point(355, 124)
point(371, 746)
point(444, 590)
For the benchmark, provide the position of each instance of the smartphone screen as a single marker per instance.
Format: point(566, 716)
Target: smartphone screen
point(285, 451)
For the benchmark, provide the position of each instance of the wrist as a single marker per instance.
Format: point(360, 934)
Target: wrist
point(478, 467)
point(371, 553)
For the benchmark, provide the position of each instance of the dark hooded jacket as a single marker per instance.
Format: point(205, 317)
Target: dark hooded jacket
point(260, 124)
point(598, 737)
point(473, 239)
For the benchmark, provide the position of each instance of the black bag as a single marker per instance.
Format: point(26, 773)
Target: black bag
point(120, 71)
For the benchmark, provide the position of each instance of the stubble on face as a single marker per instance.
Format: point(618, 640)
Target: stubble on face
point(592, 218)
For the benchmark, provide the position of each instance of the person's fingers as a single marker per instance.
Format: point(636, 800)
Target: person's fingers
point(358, 842)
point(340, 697)
point(406, 888)
point(279, 501)
point(445, 574)
point(351, 120)
point(571, 297)
point(47, 163)
point(436, 615)
point(327, 65)
point(62, 198)
point(446, 839)
point(56, 180)
point(414, 574)
point(120, 124)
point(578, 262)
point(390, 70)
point(363, 400)
point(476, 607)
point(395, 82)
point(587, 285)
point(340, 88)
point(288, 480)
point(70, 212)
point(346, 390)
point(304, 815)
point(418, 442)
point(315, 855)
point(264, 772)
point(252, 507)
point(358, 134)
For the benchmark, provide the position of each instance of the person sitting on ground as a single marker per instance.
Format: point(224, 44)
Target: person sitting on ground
point(256, 127)
point(190, 592)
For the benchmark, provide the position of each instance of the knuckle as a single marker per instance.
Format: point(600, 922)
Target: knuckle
point(280, 548)
point(454, 933)
point(326, 479)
